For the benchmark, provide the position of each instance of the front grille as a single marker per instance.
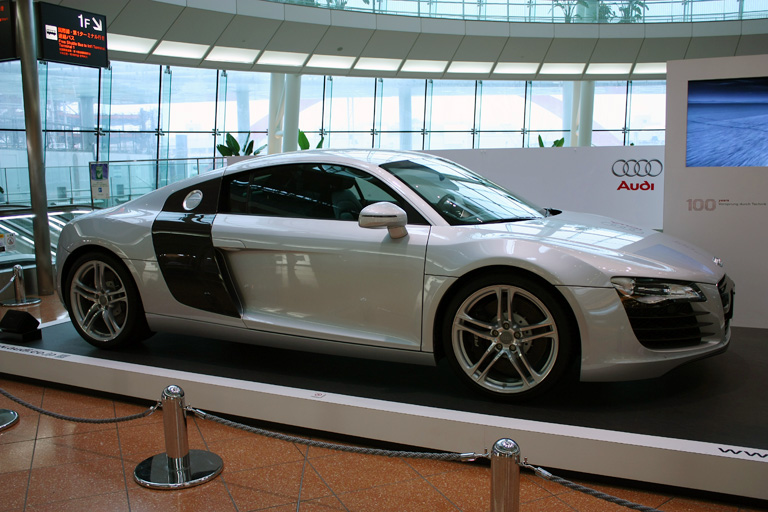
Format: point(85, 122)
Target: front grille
point(668, 325)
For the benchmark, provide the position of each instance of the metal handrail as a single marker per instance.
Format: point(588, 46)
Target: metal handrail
point(545, 11)
point(70, 185)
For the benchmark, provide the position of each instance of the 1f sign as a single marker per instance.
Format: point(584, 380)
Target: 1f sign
point(85, 22)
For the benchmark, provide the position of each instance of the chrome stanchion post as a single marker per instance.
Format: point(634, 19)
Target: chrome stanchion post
point(20, 293)
point(8, 418)
point(505, 476)
point(178, 467)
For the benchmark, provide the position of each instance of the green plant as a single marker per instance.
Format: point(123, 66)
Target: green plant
point(555, 144)
point(632, 11)
point(569, 8)
point(304, 141)
point(604, 12)
point(232, 147)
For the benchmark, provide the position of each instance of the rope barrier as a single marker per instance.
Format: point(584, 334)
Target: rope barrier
point(586, 490)
point(442, 456)
point(4, 288)
point(460, 457)
point(79, 420)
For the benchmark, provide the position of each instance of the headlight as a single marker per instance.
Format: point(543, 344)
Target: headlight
point(654, 291)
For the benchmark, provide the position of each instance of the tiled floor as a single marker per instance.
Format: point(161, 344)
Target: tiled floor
point(48, 464)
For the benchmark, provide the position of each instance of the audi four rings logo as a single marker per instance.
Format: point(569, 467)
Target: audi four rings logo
point(637, 168)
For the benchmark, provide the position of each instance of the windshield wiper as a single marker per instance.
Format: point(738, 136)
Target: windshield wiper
point(511, 219)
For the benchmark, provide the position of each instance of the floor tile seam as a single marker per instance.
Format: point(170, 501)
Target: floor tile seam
point(122, 460)
point(267, 492)
point(77, 498)
point(86, 452)
point(71, 407)
point(256, 468)
point(612, 492)
point(535, 481)
point(253, 468)
point(301, 479)
point(221, 477)
point(45, 437)
point(615, 491)
point(34, 450)
point(381, 486)
point(327, 484)
point(9, 443)
point(458, 469)
point(429, 483)
point(576, 493)
point(230, 440)
point(15, 406)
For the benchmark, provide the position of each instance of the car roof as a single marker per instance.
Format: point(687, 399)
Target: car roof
point(360, 157)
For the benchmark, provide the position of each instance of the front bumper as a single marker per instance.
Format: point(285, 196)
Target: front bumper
point(611, 350)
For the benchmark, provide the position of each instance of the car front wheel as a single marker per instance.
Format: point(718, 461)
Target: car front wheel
point(103, 302)
point(507, 336)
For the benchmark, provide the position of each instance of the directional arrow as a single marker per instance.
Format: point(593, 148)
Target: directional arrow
point(97, 24)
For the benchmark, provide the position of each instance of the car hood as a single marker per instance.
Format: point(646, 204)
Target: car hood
point(613, 247)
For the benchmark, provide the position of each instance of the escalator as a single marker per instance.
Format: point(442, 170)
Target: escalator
point(18, 244)
point(19, 224)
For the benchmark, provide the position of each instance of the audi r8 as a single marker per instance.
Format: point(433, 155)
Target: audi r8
point(400, 256)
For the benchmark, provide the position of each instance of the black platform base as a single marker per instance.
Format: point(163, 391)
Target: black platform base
point(690, 428)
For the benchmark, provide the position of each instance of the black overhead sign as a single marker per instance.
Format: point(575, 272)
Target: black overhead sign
point(7, 37)
point(73, 36)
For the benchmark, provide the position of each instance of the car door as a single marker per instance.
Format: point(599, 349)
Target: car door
point(303, 266)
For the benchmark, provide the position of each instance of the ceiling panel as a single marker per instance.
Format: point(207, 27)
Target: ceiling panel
point(718, 46)
point(484, 49)
point(756, 44)
point(570, 50)
point(145, 18)
point(343, 41)
point(198, 26)
point(662, 49)
point(297, 37)
point(618, 43)
point(525, 49)
point(435, 47)
point(248, 32)
point(388, 44)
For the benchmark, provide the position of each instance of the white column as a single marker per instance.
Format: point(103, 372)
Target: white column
point(571, 94)
point(586, 112)
point(291, 120)
point(276, 109)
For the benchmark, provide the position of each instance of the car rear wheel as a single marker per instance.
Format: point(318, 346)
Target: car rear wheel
point(507, 336)
point(103, 302)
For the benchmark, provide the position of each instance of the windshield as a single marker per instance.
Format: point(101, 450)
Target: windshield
point(459, 195)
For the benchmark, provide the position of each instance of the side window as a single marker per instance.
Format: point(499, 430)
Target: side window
point(309, 191)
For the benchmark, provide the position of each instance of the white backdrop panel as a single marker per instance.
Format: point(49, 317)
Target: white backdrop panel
point(578, 179)
point(724, 209)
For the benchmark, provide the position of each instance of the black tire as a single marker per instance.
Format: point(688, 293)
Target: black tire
point(507, 336)
point(104, 303)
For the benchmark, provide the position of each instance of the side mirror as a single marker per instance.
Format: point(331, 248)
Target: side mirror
point(384, 215)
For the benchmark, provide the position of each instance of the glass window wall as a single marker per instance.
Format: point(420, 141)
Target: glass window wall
point(141, 112)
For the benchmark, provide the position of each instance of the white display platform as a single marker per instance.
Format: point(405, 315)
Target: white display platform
point(735, 470)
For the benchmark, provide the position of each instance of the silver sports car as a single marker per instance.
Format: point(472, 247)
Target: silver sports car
point(399, 256)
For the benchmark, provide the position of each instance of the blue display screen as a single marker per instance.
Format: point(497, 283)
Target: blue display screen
point(727, 123)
